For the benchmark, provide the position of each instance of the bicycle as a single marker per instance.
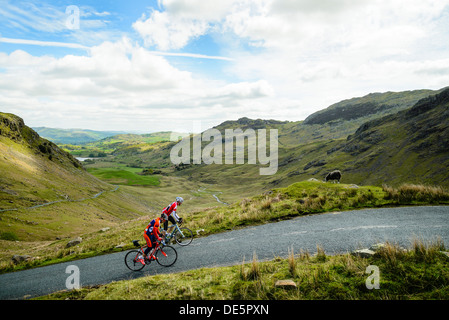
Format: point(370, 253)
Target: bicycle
point(182, 235)
point(164, 255)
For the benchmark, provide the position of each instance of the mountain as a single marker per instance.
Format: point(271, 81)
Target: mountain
point(373, 104)
point(409, 146)
point(73, 136)
point(377, 141)
point(35, 170)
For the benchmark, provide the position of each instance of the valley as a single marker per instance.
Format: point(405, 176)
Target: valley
point(379, 142)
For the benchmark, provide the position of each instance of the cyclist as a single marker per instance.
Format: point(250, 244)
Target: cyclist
point(152, 233)
point(170, 211)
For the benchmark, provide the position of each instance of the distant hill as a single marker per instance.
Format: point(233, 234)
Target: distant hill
point(119, 144)
point(35, 170)
point(245, 123)
point(73, 136)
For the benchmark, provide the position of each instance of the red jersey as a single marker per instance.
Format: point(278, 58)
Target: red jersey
point(171, 209)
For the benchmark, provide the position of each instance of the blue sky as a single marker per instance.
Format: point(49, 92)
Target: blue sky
point(166, 65)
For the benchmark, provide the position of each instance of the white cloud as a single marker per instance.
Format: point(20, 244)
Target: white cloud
point(287, 60)
point(167, 32)
point(116, 80)
point(198, 9)
point(300, 42)
point(342, 48)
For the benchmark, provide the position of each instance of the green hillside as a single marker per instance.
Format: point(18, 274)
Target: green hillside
point(73, 136)
point(35, 171)
point(45, 193)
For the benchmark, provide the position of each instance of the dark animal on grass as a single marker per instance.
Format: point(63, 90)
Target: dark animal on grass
point(333, 176)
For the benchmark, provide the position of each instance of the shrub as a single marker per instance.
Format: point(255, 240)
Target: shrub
point(9, 236)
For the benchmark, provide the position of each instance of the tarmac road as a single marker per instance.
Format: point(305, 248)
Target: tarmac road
point(334, 232)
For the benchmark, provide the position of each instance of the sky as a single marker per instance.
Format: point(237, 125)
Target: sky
point(188, 65)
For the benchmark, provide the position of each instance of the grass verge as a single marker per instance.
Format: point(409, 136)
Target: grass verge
point(309, 197)
point(419, 272)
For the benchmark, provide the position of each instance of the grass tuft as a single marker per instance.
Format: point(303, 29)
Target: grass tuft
point(412, 193)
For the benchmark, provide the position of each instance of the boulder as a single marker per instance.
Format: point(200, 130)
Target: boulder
point(20, 258)
point(74, 242)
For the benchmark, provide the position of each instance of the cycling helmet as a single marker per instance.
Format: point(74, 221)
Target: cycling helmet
point(179, 199)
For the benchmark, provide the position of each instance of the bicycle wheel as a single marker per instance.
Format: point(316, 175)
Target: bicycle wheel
point(166, 256)
point(185, 238)
point(132, 261)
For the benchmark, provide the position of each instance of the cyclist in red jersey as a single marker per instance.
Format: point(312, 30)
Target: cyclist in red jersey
point(170, 211)
point(152, 233)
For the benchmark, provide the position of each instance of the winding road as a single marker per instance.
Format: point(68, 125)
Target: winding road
point(335, 232)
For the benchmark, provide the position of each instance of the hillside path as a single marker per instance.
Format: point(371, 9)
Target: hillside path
point(334, 232)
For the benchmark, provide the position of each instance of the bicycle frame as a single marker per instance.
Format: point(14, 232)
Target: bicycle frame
point(154, 250)
point(172, 234)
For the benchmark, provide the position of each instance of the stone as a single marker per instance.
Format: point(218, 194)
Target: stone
point(286, 284)
point(363, 253)
point(74, 242)
point(105, 229)
point(20, 258)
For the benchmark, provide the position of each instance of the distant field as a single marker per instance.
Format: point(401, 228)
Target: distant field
point(124, 175)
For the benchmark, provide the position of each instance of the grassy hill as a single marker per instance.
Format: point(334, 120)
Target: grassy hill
point(73, 136)
point(45, 193)
point(35, 171)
